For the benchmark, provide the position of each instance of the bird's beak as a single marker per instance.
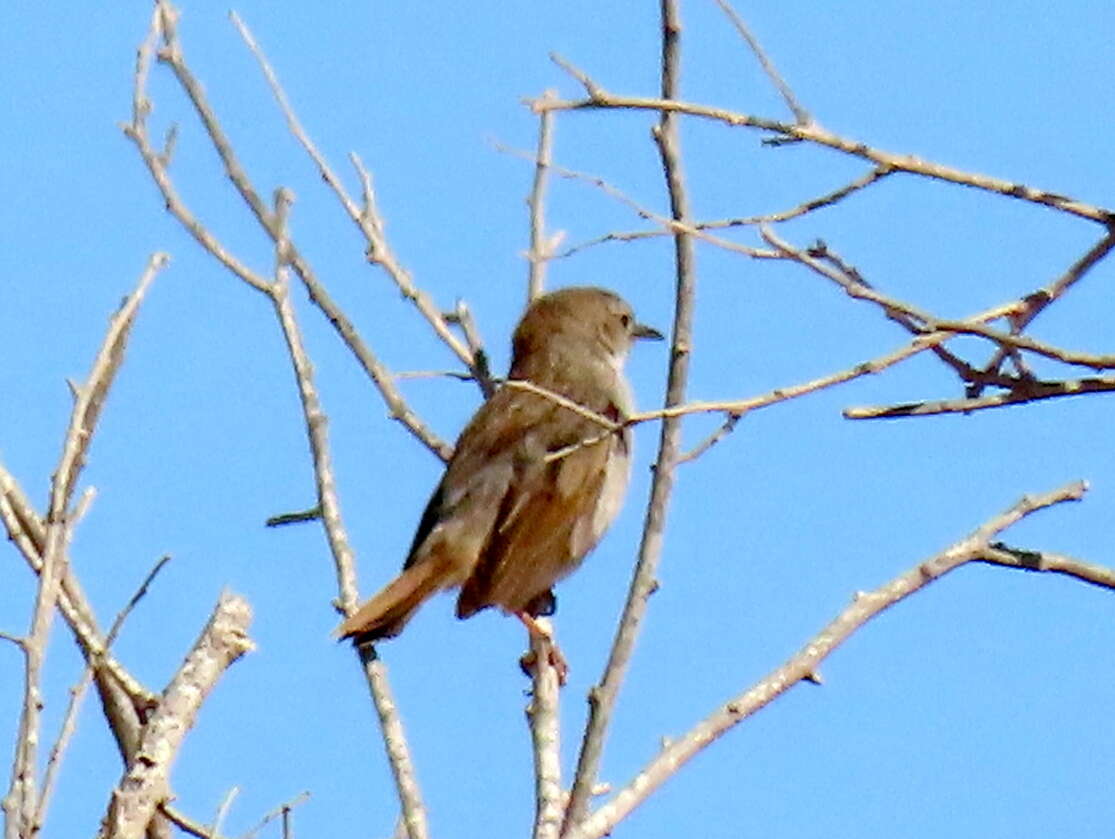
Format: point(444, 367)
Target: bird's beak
point(641, 330)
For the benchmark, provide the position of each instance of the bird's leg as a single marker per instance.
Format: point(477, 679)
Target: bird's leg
point(541, 633)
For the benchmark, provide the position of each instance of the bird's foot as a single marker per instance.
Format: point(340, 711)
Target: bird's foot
point(542, 639)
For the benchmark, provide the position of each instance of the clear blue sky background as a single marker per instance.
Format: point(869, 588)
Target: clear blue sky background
point(981, 707)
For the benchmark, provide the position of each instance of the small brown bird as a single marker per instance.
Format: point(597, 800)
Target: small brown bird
point(532, 484)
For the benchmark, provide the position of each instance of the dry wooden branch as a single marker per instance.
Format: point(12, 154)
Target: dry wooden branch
point(976, 547)
point(273, 221)
point(603, 696)
point(48, 541)
point(146, 783)
point(600, 99)
point(367, 218)
point(163, 28)
point(544, 722)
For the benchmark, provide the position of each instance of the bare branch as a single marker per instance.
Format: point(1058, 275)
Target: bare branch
point(367, 219)
point(395, 744)
point(544, 721)
point(826, 200)
point(670, 226)
point(803, 666)
point(22, 805)
point(145, 784)
point(91, 395)
point(814, 133)
point(282, 811)
point(77, 692)
point(1025, 390)
point(158, 164)
point(998, 553)
point(121, 693)
point(163, 26)
point(726, 428)
point(540, 251)
point(462, 316)
point(222, 810)
point(1037, 301)
point(800, 114)
point(602, 697)
point(313, 414)
point(186, 824)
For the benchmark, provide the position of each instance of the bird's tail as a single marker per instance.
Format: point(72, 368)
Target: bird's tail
point(385, 615)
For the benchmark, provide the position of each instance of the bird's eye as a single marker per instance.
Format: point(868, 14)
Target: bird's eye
point(625, 319)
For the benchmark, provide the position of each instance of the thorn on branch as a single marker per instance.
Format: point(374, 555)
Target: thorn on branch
point(781, 140)
point(312, 514)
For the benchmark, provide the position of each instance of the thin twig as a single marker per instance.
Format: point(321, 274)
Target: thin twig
point(462, 316)
point(22, 805)
point(223, 808)
point(77, 692)
point(804, 208)
point(540, 251)
point(998, 553)
point(315, 420)
point(187, 825)
point(800, 114)
point(1026, 390)
point(813, 133)
point(279, 812)
point(565, 402)
point(368, 218)
point(803, 666)
point(726, 428)
point(395, 744)
point(917, 321)
point(344, 561)
point(670, 226)
point(1037, 301)
point(28, 532)
point(171, 54)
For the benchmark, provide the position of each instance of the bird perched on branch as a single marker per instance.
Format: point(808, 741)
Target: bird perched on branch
point(537, 475)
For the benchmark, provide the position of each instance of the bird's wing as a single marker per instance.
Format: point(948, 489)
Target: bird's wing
point(550, 516)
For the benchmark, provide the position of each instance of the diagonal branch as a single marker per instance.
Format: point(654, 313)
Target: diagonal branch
point(163, 26)
point(800, 114)
point(146, 783)
point(368, 219)
point(976, 547)
point(22, 805)
point(598, 98)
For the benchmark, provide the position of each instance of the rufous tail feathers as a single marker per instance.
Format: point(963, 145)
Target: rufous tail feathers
point(385, 615)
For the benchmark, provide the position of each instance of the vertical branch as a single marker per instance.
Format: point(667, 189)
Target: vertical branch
point(603, 696)
point(540, 251)
point(545, 735)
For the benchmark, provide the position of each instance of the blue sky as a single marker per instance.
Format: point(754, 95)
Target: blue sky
point(975, 708)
